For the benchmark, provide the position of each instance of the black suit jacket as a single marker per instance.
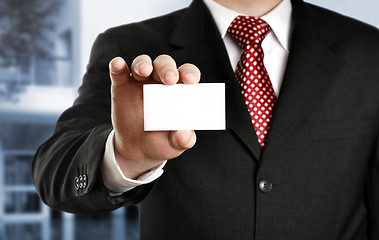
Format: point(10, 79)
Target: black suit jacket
point(321, 156)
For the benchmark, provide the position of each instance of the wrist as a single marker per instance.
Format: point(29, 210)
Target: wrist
point(133, 167)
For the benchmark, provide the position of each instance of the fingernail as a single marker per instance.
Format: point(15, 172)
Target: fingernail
point(139, 66)
point(185, 134)
point(116, 65)
point(169, 76)
point(189, 75)
point(188, 140)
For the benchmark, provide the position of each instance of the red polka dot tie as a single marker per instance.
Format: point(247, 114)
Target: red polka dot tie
point(251, 73)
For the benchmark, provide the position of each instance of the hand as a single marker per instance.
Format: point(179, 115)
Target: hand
point(138, 151)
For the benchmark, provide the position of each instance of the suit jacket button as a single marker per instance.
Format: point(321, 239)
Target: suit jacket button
point(265, 186)
point(85, 181)
point(80, 181)
point(76, 183)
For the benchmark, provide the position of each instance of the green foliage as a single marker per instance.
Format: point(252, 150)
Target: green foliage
point(26, 28)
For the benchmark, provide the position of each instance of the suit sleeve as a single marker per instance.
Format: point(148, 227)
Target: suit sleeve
point(373, 194)
point(66, 168)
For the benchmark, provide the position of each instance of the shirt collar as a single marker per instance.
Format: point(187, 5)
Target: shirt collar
point(279, 19)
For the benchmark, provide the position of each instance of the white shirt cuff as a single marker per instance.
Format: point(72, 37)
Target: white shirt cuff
point(113, 177)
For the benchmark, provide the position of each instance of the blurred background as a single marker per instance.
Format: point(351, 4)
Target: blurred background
point(44, 48)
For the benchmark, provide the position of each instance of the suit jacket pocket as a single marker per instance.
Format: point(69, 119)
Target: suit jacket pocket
point(339, 129)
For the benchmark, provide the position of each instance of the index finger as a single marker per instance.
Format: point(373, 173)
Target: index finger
point(118, 71)
point(141, 67)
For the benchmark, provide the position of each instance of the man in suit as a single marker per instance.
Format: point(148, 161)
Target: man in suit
point(317, 175)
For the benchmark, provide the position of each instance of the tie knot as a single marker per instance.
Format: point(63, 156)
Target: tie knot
point(248, 30)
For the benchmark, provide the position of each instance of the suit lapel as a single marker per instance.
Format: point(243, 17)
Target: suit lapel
point(310, 68)
point(200, 43)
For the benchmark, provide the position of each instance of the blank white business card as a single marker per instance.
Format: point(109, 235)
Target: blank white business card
point(184, 107)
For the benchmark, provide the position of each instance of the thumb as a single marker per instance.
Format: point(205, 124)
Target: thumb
point(118, 71)
point(183, 139)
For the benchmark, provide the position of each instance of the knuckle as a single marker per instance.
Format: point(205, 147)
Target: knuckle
point(190, 67)
point(164, 59)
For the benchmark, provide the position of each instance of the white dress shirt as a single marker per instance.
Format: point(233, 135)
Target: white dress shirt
point(276, 49)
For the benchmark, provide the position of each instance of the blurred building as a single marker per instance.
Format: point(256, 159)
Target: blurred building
point(44, 47)
point(33, 93)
